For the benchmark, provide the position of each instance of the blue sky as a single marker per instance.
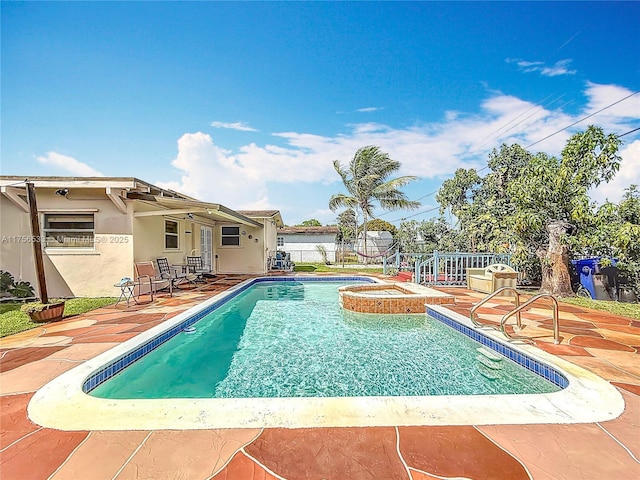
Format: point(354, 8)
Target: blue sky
point(248, 104)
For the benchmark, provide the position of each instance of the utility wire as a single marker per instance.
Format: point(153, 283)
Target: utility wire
point(582, 119)
point(630, 131)
point(415, 214)
point(528, 146)
point(424, 196)
point(497, 133)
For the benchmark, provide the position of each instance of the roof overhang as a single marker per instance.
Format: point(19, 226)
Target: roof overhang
point(117, 189)
point(273, 216)
point(213, 211)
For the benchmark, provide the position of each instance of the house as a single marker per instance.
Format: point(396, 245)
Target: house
point(94, 229)
point(305, 244)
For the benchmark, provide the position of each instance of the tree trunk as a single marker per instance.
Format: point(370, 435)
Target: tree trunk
point(364, 216)
point(555, 262)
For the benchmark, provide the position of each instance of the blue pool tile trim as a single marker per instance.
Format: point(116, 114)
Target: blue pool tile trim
point(127, 359)
point(547, 372)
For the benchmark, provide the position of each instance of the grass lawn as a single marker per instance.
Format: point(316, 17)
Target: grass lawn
point(631, 310)
point(335, 268)
point(12, 320)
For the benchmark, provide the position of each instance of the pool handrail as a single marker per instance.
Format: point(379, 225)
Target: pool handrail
point(489, 297)
point(556, 327)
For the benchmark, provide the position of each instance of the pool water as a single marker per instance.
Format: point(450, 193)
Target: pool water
point(292, 339)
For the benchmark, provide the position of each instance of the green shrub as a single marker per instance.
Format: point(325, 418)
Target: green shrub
point(9, 287)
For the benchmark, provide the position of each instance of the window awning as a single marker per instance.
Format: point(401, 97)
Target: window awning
point(213, 211)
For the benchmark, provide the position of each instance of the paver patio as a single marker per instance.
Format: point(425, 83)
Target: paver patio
point(605, 344)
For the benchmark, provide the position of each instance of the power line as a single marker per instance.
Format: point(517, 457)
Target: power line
point(497, 133)
point(630, 131)
point(582, 119)
point(415, 214)
point(528, 146)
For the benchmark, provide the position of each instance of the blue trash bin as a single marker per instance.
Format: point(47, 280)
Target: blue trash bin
point(586, 268)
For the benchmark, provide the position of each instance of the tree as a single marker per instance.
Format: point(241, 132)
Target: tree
point(408, 237)
point(614, 231)
point(482, 205)
point(437, 234)
point(366, 181)
point(537, 206)
point(551, 200)
point(427, 236)
point(347, 225)
point(377, 225)
point(311, 223)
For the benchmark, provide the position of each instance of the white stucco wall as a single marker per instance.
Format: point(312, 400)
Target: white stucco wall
point(303, 247)
point(248, 257)
point(120, 240)
point(70, 272)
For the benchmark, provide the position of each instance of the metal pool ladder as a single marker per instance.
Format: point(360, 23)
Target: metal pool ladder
point(516, 311)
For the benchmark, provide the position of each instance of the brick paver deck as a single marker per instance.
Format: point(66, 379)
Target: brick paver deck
point(605, 344)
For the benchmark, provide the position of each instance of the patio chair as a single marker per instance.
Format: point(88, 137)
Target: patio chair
point(278, 264)
point(282, 262)
point(147, 278)
point(195, 266)
point(174, 274)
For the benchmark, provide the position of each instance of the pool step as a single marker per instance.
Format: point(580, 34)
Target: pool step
point(490, 373)
point(490, 354)
point(488, 363)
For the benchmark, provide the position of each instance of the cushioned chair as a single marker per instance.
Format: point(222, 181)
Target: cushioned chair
point(491, 278)
point(149, 281)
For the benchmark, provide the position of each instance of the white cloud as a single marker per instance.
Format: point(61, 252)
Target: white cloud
point(242, 126)
point(241, 179)
point(213, 174)
point(601, 96)
point(368, 109)
point(561, 67)
point(629, 174)
point(69, 164)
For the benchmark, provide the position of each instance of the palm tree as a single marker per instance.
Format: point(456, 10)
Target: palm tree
point(365, 179)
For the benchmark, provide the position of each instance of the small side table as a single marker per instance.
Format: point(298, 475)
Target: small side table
point(127, 292)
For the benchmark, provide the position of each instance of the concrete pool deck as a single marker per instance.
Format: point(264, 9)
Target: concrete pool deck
point(607, 345)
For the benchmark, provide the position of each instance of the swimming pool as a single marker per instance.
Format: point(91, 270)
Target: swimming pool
point(64, 403)
point(292, 339)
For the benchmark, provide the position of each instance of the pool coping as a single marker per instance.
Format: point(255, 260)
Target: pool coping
point(62, 403)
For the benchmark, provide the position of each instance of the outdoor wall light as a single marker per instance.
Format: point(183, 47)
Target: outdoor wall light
point(63, 192)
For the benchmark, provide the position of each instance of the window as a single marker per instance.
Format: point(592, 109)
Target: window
point(230, 236)
point(280, 241)
point(69, 230)
point(170, 234)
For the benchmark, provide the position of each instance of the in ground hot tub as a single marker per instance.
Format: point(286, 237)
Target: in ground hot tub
point(392, 298)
